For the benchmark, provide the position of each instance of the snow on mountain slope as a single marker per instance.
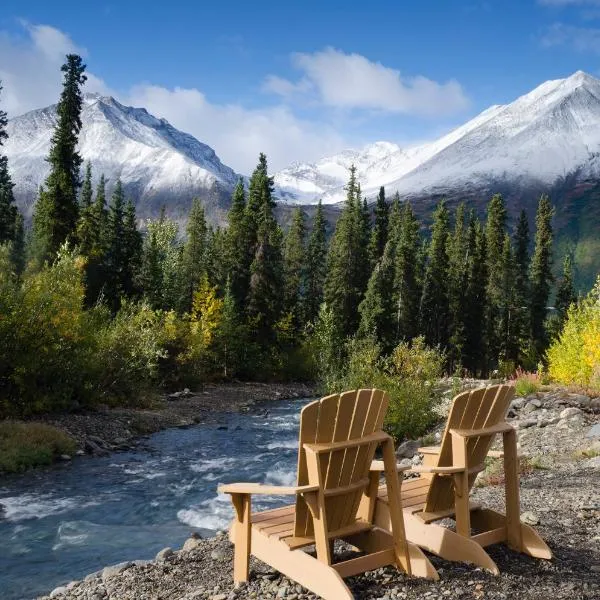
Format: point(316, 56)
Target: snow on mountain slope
point(155, 161)
point(308, 182)
point(546, 134)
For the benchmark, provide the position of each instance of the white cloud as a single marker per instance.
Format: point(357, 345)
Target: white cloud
point(351, 81)
point(238, 134)
point(582, 39)
point(30, 68)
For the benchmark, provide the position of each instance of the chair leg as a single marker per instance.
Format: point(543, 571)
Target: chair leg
point(316, 576)
point(241, 530)
point(531, 542)
point(438, 540)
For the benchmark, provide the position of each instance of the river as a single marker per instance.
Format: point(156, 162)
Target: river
point(65, 521)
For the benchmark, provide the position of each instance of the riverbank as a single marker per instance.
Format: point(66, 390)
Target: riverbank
point(105, 429)
point(559, 437)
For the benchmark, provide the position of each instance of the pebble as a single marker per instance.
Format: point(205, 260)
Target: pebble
point(164, 554)
point(570, 412)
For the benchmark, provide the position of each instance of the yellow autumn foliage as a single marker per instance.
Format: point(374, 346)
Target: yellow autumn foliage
point(574, 358)
point(207, 311)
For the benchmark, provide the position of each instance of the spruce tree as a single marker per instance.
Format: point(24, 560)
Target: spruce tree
point(294, 260)
point(124, 249)
point(151, 275)
point(56, 212)
point(541, 276)
point(457, 287)
point(565, 294)
point(264, 303)
point(379, 232)
point(347, 262)
point(495, 231)
point(521, 285)
point(193, 260)
point(17, 246)
point(407, 286)
point(8, 210)
point(216, 257)
point(435, 311)
point(509, 340)
point(474, 355)
point(238, 252)
point(316, 266)
point(133, 252)
point(86, 188)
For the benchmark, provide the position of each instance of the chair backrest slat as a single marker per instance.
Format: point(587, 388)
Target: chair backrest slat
point(475, 409)
point(339, 418)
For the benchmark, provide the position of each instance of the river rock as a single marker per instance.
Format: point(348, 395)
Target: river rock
point(569, 413)
point(529, 518)
point(594, 432)
point(64, 457)
point(59, 591)
point(408, 448)
point(114, 570)
point(190, 544)
point(219, 554)
point(93, 448)
point(164, 554)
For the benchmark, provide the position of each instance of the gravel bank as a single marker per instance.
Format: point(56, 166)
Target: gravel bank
point(559, 492)
point(106, 429)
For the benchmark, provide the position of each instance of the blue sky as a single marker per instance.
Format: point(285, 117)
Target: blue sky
point(299, 79)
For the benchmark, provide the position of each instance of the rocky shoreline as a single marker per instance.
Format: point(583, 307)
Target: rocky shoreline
point(106, 429)
point(559, 437)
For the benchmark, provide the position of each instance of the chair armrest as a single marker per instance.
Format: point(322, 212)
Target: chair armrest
point(437, 470)
point(269, 490)
point(378, 466)
point(470, 433)
point(429, 450)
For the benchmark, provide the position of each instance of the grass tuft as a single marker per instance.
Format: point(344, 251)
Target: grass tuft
point(27, 445)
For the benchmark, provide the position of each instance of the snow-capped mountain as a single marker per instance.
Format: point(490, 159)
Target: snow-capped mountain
point(156, 163)
point(543, 136)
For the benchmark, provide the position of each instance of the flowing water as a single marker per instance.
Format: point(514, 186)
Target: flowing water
point(64, 522)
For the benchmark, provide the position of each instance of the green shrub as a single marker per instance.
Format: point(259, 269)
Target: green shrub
point(409, 375)
point(26, 445)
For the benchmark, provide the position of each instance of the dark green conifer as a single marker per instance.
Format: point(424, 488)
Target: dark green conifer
point(294, 260)
point(316, 266)
point(565, 294)
point(541, 276)
point(8, 210)
point(380, 226)
point(57, 209)
point(435, 311)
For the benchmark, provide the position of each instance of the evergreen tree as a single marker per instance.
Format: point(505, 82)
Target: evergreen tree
point(541, 276)
point(124, 249)
point(521, 285)
point(151, 274)
point(264, 304)
point(406, 290)
point(56, 212)
point(474, 355)
point(216, 257)
point(347, 262)
point(193, 260)
point(294, 259)
point(230, 337)
point(238, 251)
point(86, 188)
point(8, 210)
point(380, 227)
point(316, 266)
point(435, 311)
point(495, 231)
point(458, 249)
point(565, 294)
point(509, 341)
point(17, 247)
point(133, 253)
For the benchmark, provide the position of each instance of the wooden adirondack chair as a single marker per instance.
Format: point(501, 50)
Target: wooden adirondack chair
point(335, 498)
point(447, 477)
